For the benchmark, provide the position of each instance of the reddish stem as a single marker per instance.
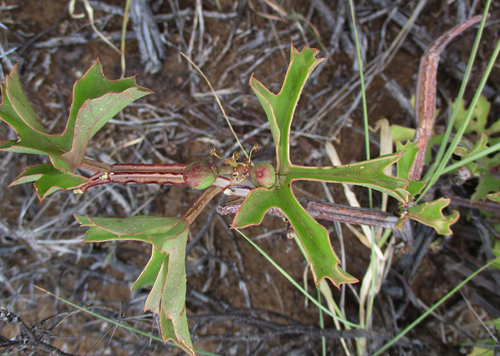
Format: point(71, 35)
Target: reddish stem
point(201, 203)
point(157, 173)
point(425, 103)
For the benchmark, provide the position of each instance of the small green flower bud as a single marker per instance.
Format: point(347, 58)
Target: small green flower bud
point(263, 175)
point(200, 174)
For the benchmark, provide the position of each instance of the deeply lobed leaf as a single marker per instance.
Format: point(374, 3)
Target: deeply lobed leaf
point(95, 101)
point(482, 167)
point(165, 271)
point(313, 236)
point(431, 214)
point(280, 109)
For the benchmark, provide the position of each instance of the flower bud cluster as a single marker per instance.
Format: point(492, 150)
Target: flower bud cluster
point(202, 174)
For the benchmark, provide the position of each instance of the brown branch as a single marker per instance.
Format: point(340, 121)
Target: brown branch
point(327, 211)
point(467, 203)
point(425, 102)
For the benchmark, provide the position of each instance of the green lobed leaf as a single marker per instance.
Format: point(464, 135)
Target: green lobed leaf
point(431, 214)
point(93, 114)
point(95, 101)
point(165, 271)
point(481, 167)
point(478, 119)
point(94, 85)
point(313, 236)
point(49, 179)
point(366, 173)
point(281, 107)
point(30, 140)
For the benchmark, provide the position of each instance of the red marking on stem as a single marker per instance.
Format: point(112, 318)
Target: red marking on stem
point(159, 173)
point(155, 167)
point(172, 178)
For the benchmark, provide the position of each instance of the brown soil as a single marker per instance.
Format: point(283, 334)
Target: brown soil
point(39, 245)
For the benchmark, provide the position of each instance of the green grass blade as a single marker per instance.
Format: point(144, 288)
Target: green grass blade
point(431, 309)
point(363, 94)
point(124, 33)
point(373, 256)
point(321, 325)
point(479, 155)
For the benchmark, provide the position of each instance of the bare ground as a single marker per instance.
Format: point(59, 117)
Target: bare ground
point(238, 304)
